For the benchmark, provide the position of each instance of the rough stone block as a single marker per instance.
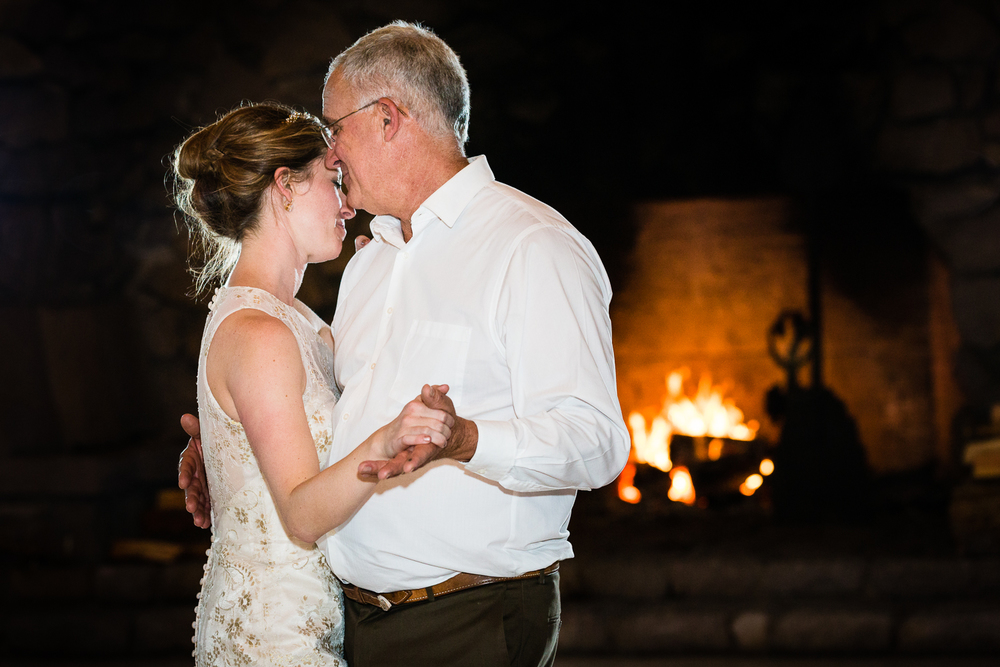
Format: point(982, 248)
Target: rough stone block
point(975, 311)
point(585, 628)
point(50, 531)
point(182, 581)
point(951, 631)
point(991, 123)
point(986, 576)
point(164, 629)
point(972, 82)
point(840, 631)
point(716, 577)
point(937, 205)
point(32, 116)
point(16, 60)
point(938, 147)
point(24, 389)
point(300, 41)
point(64, 476)
point(80, 632)
point(920, 578)
point(922, 93)
point(91, 368)
point(33, 584)
point(641, 576)
point(750, 630)
point(124, 583)
point(792, 577)
point(952, 32)
point(657, 628)
point(971, 244)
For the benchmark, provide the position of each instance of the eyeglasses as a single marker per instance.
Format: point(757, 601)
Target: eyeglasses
point(328, 134)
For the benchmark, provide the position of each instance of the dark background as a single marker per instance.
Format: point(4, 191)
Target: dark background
point(879, 119)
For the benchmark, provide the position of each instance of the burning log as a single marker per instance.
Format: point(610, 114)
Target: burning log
point(709, 427)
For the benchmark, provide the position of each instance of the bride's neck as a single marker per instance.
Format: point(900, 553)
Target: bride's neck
point(269, 262)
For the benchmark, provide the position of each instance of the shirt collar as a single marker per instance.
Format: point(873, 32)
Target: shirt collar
point(445, 204)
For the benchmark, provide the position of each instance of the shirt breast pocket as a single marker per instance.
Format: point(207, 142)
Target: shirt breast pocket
point(434, 353)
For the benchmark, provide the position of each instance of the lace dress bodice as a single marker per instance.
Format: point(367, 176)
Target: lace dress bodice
point(267, 598)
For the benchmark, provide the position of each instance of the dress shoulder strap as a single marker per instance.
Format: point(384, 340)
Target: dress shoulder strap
point(300, 320)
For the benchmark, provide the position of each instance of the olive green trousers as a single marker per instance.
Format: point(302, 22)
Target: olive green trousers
point(497, 625)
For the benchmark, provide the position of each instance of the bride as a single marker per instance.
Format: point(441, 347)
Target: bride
point(256, 193)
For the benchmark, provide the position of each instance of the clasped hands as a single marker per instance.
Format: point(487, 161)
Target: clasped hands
point(417, 436)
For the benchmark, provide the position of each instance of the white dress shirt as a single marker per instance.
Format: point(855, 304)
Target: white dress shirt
point(498, 296)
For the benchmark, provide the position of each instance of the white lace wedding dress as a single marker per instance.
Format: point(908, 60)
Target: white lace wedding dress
point(266, 599)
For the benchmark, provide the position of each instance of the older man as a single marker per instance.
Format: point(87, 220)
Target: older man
point(470, 283)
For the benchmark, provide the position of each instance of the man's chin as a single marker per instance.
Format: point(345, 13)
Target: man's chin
point(355, 202)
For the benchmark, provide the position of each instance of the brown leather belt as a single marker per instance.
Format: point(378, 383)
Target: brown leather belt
point(459, 582)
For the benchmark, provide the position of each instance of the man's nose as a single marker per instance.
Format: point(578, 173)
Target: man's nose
point(331, 160)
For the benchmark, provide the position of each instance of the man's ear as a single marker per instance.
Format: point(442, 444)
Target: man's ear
point(391, 117)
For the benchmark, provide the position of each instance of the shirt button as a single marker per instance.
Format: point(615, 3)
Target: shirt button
point(389, 310)
point(373, 366)
point(346, 416)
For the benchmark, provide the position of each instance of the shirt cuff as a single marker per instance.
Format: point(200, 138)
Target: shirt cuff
point(495, 450)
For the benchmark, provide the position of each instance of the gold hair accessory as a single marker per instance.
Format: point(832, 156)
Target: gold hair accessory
point(294, 116)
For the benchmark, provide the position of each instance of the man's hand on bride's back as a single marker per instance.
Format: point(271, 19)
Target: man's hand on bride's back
point(191, 475)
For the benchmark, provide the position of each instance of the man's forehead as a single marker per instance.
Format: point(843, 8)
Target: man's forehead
point(336, 94)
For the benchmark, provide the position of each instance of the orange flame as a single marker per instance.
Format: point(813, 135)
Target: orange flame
point(707, 414)
point(626, 491)
point(681, 486)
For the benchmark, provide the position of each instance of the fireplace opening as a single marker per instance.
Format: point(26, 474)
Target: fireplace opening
point(759, 370)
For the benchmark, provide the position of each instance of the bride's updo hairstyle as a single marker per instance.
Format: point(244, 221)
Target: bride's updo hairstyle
point(222, 171)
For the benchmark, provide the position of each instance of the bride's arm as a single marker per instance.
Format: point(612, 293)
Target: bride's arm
point(255, 371)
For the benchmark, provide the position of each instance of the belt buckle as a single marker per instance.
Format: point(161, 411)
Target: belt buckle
point(384, 603)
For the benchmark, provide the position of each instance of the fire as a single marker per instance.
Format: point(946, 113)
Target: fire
point(755, 481)
point(707, 414)
point(752, 483)
point(626, 491)
point(681, 486)
point(766, 467)
point(652, 446)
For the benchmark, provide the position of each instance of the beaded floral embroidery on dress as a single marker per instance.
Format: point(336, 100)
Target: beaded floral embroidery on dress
point(266, 598)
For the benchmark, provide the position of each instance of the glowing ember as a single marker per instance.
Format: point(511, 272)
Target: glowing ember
point(753, 483)
point(707, 414)
point(766, 467)
point(681, 486)
point(715, 449)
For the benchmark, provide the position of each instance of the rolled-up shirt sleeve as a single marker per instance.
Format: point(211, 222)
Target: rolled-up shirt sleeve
point(553, 326)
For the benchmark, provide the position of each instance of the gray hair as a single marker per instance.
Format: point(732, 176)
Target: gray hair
point(415, 68)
